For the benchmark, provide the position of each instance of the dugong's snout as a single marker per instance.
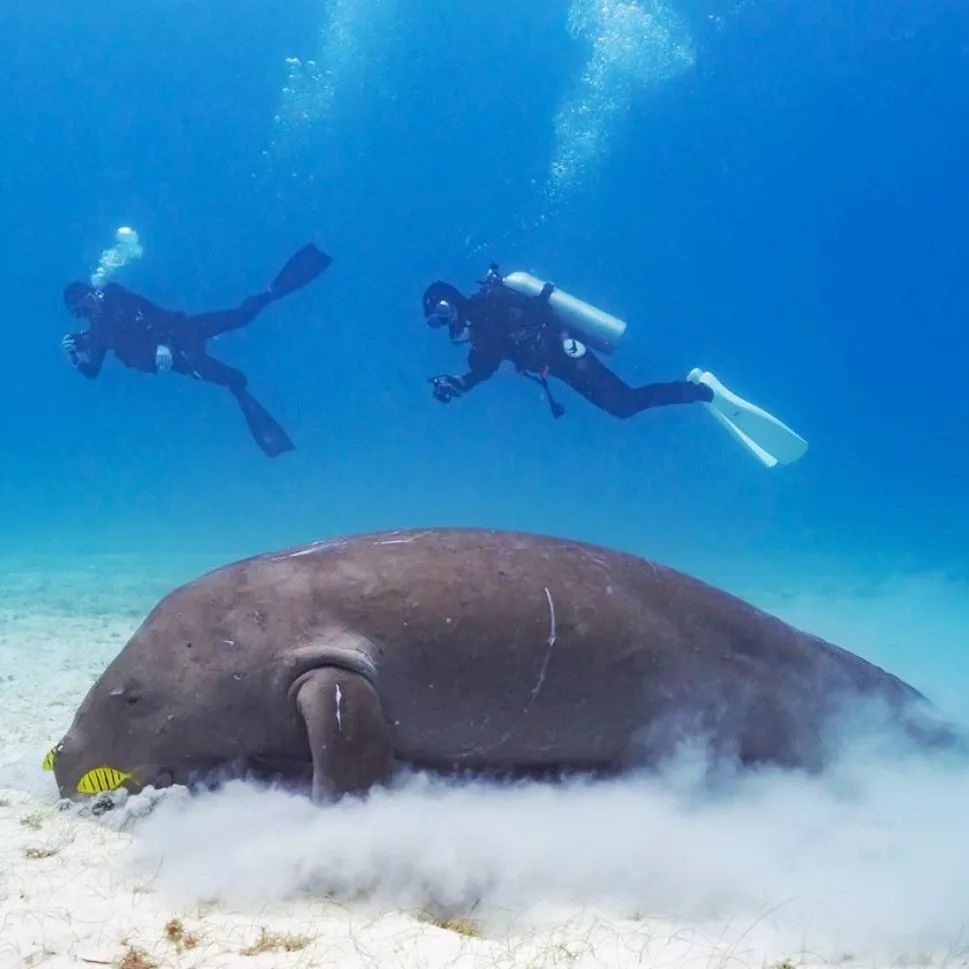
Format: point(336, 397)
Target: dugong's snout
point(82, 771)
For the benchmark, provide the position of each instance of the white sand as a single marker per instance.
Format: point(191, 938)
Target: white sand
point(866, 868)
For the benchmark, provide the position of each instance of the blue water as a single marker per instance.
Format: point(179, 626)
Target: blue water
point(776, 191)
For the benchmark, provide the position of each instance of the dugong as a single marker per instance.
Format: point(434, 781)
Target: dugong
point(454, 649)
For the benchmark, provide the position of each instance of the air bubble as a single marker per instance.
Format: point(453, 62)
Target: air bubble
point(635, 46)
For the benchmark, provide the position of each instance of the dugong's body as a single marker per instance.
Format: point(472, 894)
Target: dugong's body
point(455, 648)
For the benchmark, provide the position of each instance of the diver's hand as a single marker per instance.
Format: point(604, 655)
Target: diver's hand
point(69, 346)
point(163, 358)
point(74, 354)
point(446, 388)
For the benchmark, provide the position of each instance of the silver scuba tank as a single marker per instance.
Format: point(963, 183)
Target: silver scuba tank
point(599, 329)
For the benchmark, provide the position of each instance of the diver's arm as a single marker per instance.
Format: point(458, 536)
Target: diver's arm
point(86, 357)
point(91, 366)
point(481, 366)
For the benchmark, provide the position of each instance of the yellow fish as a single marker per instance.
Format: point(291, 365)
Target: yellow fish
point(102, 779)
point(50, 757)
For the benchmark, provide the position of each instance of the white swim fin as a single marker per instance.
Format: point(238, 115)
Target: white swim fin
point(770, 440)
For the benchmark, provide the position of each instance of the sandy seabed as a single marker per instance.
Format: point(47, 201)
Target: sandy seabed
point(432, 876)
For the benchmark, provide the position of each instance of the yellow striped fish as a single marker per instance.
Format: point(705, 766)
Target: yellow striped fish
point(50, 757)
point(102, 779)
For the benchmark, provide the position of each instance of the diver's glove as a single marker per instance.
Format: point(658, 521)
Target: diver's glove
point(72, 351)
point(163, 358)
point(69, 346)
point(446, 388)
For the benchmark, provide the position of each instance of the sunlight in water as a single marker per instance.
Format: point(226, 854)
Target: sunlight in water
point(315, 90)
point(635, 46)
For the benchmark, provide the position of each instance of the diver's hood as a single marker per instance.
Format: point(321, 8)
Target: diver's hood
point(440, 291)
point(79, 298)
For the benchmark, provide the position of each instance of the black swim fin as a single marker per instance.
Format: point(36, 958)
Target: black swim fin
point(301, 269)
point(266, 431)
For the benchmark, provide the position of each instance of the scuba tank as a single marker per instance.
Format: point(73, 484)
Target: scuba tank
point(599, 329)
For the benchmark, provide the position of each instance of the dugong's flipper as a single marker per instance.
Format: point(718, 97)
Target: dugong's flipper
point(350, 741)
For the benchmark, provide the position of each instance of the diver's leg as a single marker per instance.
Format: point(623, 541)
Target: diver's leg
point(266, 431)
point(299, 271)
point(600, 386)
point(212, 324)
point(673, 392)
point(198, 364)
point(350, 741)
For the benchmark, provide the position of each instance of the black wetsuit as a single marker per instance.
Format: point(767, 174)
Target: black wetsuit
point(133, 328)
point(136, 331)
point(504, 325)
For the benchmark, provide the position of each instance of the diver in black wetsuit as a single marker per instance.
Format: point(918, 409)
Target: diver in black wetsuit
point(504, 325)
point(148, 338)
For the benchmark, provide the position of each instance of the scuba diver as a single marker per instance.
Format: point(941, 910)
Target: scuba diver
point(148, 338)
point(545, 332)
